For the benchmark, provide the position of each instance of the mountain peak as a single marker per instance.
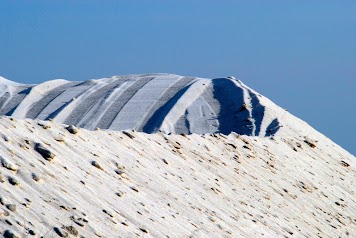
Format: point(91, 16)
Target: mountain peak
point(150, 103)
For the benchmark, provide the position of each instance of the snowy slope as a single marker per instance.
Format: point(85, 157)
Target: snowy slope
point(248, 168)
point(151, 102)
point(131, 184)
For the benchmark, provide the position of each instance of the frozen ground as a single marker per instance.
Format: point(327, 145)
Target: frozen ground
point(132, 184)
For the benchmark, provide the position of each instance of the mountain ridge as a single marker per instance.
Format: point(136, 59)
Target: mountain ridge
point(151, 103)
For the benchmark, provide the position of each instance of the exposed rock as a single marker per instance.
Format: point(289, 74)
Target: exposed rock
point(46, 153)
point(11, 207)
point(119, 166)
point(7, 164)
point(8, 222)
point(144, 230)
point(232, 145)
point(310, 142)
point(78, 220)
point(60, 138)
point(97, 165)
point(60, 232)
point(108, 213)
point(184, 135)
point(120, 194)
point(243, 107)
point(124, 223)
point(121, 173)
point(2, 200)
point(72, 129)
point(14, 181)
point(128, 134)
point(10, 234)
point(44, 125)
point(6, 138)
point(175, 144)
point(71, 230)
point(343, 163)
point(4, 213)
point(36, 177)
point(135, 189)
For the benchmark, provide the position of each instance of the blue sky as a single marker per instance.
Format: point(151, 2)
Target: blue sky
point(300, 54)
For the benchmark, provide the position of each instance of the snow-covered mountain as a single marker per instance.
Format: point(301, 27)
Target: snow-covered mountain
point(56, 183)
point(150, 103)
point(249, 168)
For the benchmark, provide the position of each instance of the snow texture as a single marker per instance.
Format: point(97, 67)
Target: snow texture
point(132, 184)
point(151, 103)
point(221, 161)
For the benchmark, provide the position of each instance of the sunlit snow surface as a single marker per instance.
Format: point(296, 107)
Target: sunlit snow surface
point(158, 185)
point(148, 103)
point(220, 181)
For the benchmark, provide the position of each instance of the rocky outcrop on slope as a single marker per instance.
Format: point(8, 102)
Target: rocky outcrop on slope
point(115, 184)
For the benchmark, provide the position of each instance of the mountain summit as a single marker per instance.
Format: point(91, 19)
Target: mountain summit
point(150, 103)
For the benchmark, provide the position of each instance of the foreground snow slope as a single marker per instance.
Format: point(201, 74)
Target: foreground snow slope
point(151, 102)
point(116, 184)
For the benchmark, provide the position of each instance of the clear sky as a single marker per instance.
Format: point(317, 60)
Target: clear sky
point(300, 54)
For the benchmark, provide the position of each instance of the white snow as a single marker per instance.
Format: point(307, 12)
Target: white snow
point(173, 185)
point(36, 93)
point(152, 102)
point(195, 90)
point(8, 82)
point(247, 168)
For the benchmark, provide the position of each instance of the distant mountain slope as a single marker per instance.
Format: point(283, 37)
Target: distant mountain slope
point(149, 103)
point(54, 183)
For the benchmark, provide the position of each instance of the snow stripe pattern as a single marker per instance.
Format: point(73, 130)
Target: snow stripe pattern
point(148, 103)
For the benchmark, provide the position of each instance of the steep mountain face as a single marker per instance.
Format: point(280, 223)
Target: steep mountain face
point(57, 181)
point(149, 103)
